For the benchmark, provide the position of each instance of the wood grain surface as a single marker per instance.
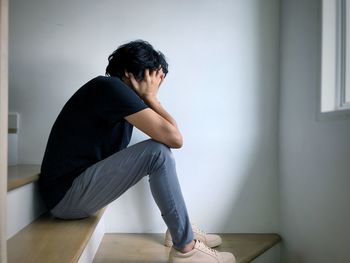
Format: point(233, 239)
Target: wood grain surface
point(19, 175)
point(52, 240)
point(149, 248)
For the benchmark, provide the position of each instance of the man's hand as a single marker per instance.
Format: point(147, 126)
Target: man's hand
point(149, 86)
point(155, 121)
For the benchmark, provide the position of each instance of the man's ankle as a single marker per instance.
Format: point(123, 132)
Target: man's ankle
point(188, 247)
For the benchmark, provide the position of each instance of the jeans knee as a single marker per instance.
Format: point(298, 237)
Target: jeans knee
point(160, 151)
point(159, 147)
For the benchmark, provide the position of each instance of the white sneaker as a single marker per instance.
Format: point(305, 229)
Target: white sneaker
point(201, 254)
point(210, 240)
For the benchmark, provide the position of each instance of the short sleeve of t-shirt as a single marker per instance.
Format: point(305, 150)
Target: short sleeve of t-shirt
point(117, 100)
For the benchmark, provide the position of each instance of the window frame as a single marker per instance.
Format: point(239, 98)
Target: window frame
point(333, 74)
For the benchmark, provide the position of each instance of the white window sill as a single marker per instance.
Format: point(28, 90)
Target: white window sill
point(341, 114)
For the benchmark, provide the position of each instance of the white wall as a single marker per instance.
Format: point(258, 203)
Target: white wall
point(222, 89)
point(314, 155)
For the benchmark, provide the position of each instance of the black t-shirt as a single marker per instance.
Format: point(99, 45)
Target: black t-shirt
point(89, 128)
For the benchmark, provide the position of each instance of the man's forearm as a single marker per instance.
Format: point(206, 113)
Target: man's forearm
point(155, 105)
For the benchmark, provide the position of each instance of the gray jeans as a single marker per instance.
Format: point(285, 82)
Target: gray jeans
point(106, 180)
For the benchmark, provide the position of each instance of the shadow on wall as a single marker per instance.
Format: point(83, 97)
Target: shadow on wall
point(254, 207)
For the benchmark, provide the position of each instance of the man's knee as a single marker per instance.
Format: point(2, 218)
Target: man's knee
point(160, 156)
point(160, 149)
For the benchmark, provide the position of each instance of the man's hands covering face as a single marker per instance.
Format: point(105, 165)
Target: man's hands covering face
point(154, 121)
point(149, 86)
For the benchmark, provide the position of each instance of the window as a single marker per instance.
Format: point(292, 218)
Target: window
point(335, 72)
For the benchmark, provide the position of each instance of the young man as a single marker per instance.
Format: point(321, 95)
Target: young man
point(87, 164)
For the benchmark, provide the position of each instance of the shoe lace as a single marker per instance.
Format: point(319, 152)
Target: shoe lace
point(207, 249)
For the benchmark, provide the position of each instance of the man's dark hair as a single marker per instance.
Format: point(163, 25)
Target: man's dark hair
point(135, 57)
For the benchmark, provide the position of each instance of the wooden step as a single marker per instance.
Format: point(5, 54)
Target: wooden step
point(19, 175)
point(52, 240)
point(149, 247)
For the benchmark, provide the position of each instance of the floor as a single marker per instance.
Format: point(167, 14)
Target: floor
point(149, 248)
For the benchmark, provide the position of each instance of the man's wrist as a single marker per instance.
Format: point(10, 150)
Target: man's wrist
point(149, 99)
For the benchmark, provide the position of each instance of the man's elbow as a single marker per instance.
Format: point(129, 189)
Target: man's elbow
point(176, 141)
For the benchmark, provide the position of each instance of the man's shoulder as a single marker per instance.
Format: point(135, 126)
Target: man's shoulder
point(108, 90)
point(114, 81)
point(101, 86)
